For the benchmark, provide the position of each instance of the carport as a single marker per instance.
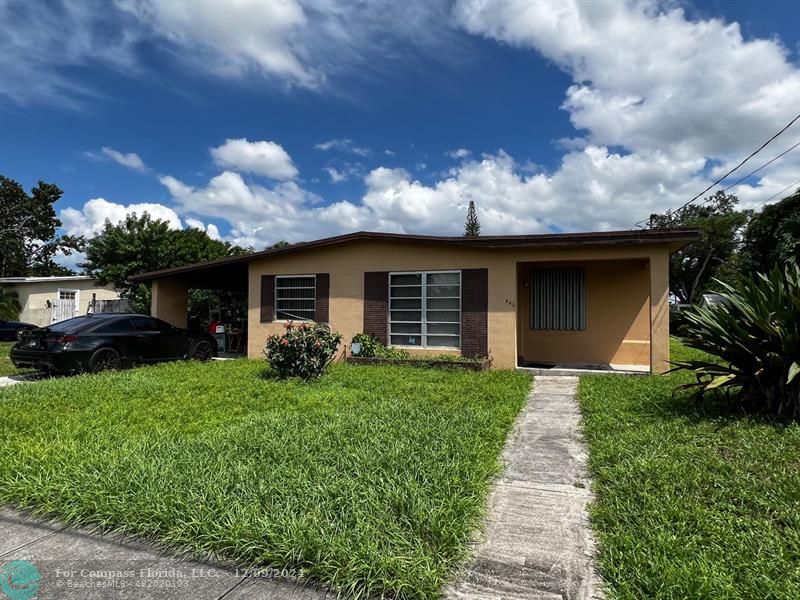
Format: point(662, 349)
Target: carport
point(171, 287)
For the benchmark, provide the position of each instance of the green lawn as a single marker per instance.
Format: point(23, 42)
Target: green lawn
point(690, 504)
point(6, 368)
point(372, 479)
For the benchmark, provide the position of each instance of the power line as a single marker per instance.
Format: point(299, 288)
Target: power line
point(725, 176)
point(766, 164)
point(751, 173)
point(791, 185)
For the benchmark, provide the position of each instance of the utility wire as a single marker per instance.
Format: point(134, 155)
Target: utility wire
point(751, 173)
point(791, 185)
point(766, 164)
point(752, 154)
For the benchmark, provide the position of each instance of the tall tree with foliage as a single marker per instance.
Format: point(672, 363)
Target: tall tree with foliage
point(472, 227)
point(28, 231)
point(772, 236)
point(140, 244)
point(9, 305)
point(693, 268)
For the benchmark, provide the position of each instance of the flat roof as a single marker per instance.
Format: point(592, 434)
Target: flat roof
point(676, 238)
point(44, 279)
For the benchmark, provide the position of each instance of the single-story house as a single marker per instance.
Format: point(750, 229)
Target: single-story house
point(46, 300)
point(523, 300)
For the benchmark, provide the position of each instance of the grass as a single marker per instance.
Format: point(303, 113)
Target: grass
point(371, 480)
point(6, 367)
point(691, 502)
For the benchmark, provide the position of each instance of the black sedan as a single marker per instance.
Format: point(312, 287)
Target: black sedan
point(9, 330)
point(108, 341)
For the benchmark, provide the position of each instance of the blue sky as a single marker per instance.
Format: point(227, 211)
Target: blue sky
point(293, 120)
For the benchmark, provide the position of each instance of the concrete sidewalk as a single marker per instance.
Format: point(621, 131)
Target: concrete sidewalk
point(538, 543)
point(40, 560)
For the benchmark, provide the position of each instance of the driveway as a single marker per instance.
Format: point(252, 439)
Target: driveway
point(538, 543)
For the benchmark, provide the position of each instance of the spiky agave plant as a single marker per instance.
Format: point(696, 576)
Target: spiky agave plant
point(756, 335)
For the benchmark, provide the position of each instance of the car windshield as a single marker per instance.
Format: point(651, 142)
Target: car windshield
point(70, 324)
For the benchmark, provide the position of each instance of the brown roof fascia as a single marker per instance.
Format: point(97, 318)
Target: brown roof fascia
point(675, 238)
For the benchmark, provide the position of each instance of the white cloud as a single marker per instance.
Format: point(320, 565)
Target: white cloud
point(343, 145)
point(131, 160)
point(584, 193)
point(212, 230)
point(292, 43)
point(344, 172)
point(262, 158)
point(232, 39)
point(90, 219)
point(41, 41)
point(676, 92)
point(335, 175)
point(459, 153)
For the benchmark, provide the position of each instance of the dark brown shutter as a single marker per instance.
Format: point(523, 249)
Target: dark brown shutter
point(323, 294)
point(376, 304)
point(267, 298)
point(474, 312)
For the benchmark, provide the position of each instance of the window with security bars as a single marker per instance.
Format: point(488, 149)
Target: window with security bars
point(295, 297)
point(558, 298)
point(425, 309)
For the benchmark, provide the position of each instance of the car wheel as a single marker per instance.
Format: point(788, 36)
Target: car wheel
point(104, 359)
point(202, 351)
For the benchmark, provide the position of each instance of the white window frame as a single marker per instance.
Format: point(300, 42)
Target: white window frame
point(275, 296)
point(77, 297)
point(424, 312)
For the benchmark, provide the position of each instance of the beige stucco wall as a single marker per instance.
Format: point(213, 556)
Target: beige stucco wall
point(33, 297)
point(347, 263)
point(617, 318)
point(169, 301)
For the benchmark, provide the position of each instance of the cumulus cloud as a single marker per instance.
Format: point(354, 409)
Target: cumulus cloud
point(343, 145)
point(261, 158)
point(90, 219)
point(654, 83)
point(211, 229)
point(509, 198)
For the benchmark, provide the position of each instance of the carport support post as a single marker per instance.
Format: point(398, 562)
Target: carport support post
point(659, 311)
point(170, 299)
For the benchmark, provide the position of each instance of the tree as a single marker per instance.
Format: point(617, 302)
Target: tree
point(278, 244)
point(140, 244)
point(28, 225)
point(772, 236)
point(9, 305)
point(472, 228)
point(693, 268)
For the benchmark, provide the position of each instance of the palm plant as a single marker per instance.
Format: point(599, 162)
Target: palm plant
point(755, 333)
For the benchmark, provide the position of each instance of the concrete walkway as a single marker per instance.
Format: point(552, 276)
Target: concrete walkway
point(538, 543)
point(46, 561)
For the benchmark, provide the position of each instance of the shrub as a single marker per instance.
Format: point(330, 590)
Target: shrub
point(303, 351)
point(372, 347)
point(756, 335)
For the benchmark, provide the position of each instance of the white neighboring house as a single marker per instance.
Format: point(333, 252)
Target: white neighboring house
point(46, 300)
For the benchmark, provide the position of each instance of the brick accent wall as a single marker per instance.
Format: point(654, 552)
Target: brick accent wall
point(376, 304)
point(267, 298)
point(474, 312)
point(323, 294)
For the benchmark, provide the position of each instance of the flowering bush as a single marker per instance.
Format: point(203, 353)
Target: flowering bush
point(304, 350)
